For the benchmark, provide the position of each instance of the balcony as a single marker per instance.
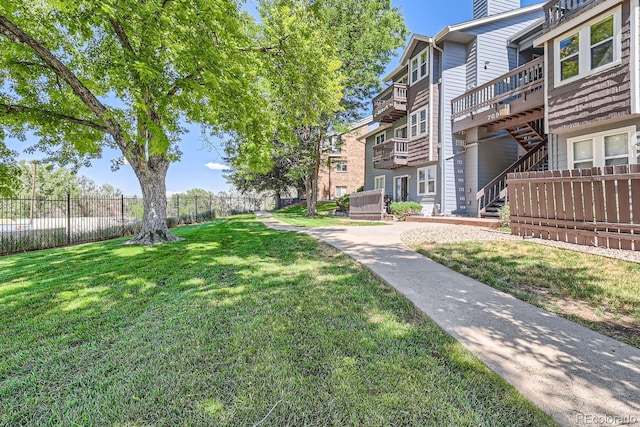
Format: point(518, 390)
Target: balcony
point(391, 104)
point(514, 98)
point(557, 12)
point(391, 154)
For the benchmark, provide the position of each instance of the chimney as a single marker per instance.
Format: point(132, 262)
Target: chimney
point(483, 8)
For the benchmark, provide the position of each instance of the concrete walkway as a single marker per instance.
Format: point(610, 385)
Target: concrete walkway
point(577, 376)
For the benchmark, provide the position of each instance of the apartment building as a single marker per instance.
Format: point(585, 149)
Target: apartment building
point(420, 152)
point(592, 103)
point(342, 166)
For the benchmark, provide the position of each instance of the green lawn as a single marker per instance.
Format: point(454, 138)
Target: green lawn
point(220, 329)
point(295, 215)
point(601, 293)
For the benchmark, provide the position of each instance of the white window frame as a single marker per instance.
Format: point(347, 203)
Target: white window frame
point(418, 122)
point(339, 164)
point(420, 65)
point(336, 191)
point(377, 138)
point(597, 141)
point(584, 47)
point(379, 182)
point(395, 132)
point(426, 180)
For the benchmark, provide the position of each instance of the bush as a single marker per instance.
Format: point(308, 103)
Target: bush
point(505, 214)
point(402, 209)
point(343, 203)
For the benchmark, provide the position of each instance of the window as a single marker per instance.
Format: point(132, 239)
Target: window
point(378, 183)
point(602, 149)
point(341, 191)
point(569, 57)
point(591, 48)
point(401, 132)
point(419, 66)
point(602, 43)
point(341, 166)
point(414, 70)
point(427, 180)
point(380, 138)
point(418, 122)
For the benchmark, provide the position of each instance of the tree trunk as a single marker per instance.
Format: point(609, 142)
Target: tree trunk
point(311, 182)
point(278, 200)
point(154, 195)
point(311, 188)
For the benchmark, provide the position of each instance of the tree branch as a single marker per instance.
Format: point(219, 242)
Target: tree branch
point(122, 36)
point(176, 87)
point(266, 49)
point(15, 34)
point(9, 108)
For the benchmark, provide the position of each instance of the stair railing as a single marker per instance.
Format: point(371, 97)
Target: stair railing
point(497, 189)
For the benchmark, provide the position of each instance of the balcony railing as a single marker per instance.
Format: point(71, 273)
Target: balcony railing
point(490, 98)
point(391, 104)
point(391, 154)
point(558, 11)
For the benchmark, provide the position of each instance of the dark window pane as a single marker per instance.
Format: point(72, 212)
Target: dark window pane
point(602, 54)
point(602, 31)
point(569, 68)
point(569, 46)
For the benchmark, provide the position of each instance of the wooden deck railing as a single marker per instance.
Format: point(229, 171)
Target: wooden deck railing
point(367, 205)
point(393, 97)
point(595, 207)
point(515, 84)
point(391, 153)
point(558, 11)
point(497, 189)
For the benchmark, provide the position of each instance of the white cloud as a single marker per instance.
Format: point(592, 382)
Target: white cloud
point(217, 166)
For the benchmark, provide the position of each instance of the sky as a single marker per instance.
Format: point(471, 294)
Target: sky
point(202, 162)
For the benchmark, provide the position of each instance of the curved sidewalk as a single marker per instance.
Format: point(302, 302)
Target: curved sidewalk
point(577, 376)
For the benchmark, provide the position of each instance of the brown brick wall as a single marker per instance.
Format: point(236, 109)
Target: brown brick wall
point(352, 151)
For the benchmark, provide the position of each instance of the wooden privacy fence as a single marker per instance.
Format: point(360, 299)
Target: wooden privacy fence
point(596, 207)
point(367, 205)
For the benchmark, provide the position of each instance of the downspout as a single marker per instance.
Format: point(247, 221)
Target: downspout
point(441, 161)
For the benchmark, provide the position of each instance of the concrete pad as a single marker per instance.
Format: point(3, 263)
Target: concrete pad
point(576, 375)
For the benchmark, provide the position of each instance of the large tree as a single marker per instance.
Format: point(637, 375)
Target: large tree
point(128, 74)
point(360, 36)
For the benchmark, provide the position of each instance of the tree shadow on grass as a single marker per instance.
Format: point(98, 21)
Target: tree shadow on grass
point(218, 328)
point(555, 362)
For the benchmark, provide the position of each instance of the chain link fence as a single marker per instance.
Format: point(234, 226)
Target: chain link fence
point(39, 223)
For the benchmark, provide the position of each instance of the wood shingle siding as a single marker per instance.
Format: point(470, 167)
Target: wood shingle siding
point(597, 97)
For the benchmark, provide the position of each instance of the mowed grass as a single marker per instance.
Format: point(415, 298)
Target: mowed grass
point(220, 329)
point(295, 215)
point(602, 293)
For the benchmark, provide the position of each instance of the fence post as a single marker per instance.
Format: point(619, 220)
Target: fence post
point(122, 212)
point(68, 218)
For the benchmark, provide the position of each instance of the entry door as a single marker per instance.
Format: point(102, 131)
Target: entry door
point(401, 187)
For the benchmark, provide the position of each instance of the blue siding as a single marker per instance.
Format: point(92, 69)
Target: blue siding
point(454, 67)
point(482, 8)
point(472, 64)
point(492, 51)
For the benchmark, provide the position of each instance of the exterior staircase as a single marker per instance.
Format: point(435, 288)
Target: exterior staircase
point(494, 195)
point(528, 135)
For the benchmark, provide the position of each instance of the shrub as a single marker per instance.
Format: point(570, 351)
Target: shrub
point(343, 203)
point(505, 214)
point(402, 209)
